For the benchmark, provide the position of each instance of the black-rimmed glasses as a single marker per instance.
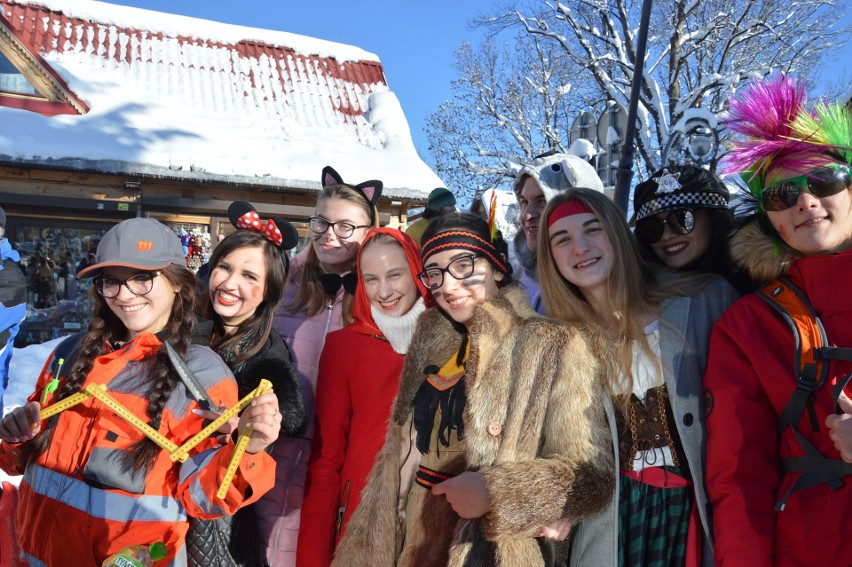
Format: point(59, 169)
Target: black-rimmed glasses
point(320, 225)
point(138, 284)
point(651, 229)
point(461, 268)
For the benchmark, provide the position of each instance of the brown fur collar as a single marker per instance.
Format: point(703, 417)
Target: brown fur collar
point(764, 257)
point(436, 334)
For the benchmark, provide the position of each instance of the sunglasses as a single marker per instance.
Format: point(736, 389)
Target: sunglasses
point(651, 230)
point(820, 183)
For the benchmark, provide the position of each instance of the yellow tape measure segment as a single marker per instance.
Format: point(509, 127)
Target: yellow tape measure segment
point(131, 418)
point(63, 405)
point(242, 443)
point(183, 452)
point(239, 451)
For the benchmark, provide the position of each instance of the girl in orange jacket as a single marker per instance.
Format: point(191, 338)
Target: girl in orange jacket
point(93, 483)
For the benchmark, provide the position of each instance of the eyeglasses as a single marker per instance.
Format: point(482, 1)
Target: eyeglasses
point(461, 268)
point(138, 284)
point(320, 225)
point(651, 229)
point(820, 183)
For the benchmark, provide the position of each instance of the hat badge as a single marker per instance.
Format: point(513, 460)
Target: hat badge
point(667, 182)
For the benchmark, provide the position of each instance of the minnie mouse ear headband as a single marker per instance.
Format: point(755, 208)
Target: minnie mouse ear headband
point(278, 231)
point(371, 190)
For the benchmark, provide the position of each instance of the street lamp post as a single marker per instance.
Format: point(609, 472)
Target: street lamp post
point(625, 164)
point(693, 139)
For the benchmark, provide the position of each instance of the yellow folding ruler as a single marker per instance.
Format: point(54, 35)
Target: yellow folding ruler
point(63, 405)
point(242, 441)
point(176, 453)
point(131, 418)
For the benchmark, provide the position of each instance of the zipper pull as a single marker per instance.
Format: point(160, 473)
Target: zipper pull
point(344, 503)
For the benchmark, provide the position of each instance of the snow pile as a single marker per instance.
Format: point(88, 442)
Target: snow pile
point(583, 148)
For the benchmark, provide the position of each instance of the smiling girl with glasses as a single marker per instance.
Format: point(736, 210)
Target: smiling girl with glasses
point(683, 222)
point(93, 480)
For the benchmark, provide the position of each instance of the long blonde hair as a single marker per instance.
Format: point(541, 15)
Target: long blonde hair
point(310, 296)
point(633, 290)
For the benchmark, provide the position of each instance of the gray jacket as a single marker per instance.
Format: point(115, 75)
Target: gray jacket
point(685, 326)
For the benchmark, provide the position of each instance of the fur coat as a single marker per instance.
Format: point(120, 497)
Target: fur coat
point(550, 457)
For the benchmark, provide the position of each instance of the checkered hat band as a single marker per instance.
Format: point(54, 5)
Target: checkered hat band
point(677, 201)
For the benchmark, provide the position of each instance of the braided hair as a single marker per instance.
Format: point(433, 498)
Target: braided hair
point(106, 327)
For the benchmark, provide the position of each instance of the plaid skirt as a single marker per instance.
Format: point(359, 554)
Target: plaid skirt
point(654, 521)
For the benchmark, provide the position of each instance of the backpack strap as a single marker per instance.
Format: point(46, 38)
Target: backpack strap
point(809, 338)
point(811, 365)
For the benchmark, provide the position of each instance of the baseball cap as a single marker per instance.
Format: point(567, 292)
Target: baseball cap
point(141, 243)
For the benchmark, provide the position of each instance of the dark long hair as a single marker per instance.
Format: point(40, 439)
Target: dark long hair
point(105, 327)
point(252, 333)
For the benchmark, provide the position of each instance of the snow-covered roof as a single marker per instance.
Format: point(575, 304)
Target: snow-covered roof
point(181, 97)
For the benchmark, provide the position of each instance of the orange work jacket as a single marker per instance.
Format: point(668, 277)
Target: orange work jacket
point(78, 506)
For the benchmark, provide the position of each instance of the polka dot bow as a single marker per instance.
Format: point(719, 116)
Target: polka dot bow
point(251, 221)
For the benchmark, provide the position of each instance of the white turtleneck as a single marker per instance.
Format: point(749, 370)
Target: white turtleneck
point(399, 330)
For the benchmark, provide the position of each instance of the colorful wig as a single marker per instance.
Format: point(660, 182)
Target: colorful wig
point(778, 131)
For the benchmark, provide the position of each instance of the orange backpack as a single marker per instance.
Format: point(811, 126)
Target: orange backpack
point(811, 364)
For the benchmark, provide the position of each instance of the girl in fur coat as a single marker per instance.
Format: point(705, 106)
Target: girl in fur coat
point(498, 433)
point(651, 334)
point(358, 379)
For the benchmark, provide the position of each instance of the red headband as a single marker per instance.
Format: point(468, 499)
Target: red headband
point(567, 209)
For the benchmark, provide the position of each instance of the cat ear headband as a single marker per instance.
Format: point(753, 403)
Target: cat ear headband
point(371, 190)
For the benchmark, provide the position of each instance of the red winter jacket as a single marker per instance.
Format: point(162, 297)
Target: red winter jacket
point(358, 380)
point(750, 378)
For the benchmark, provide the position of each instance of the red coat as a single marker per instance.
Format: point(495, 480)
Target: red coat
point(750, 378)
point(358, 380)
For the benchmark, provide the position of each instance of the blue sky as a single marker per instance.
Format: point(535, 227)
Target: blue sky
point(415, 40)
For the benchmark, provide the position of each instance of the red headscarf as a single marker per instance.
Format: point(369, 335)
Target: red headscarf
point(361, 312)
